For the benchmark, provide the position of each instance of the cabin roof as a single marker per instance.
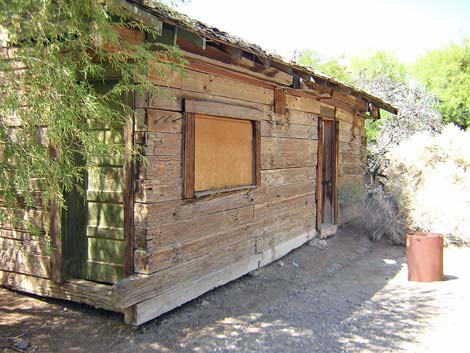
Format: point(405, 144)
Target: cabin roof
point(309, 76)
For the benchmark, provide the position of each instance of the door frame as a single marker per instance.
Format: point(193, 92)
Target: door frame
point(55, 211)
point(320, 155)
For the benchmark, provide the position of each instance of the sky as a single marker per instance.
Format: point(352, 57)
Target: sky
point(407, 28)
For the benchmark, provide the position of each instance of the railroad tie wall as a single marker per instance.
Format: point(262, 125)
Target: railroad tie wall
point(178, 241)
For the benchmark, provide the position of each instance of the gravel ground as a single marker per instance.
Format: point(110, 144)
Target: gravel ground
point(342, 299)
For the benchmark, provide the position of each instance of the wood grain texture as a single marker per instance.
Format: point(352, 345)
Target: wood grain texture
point(81, 291)
point(257, 152)
point(183, 245)
point(336, 173)
point(280, 101)
point(224, 155)
point(320, 174)
point(222, 110)
point(166, 301)
point(189, 154)
point(128, 202)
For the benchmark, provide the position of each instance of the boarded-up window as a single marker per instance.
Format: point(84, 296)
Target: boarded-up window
point(220, 153)
point(223, 153)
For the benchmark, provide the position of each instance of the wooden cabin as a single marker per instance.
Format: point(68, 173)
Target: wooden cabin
point(253, 157)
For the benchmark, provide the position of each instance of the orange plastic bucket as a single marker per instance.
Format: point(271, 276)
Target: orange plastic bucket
point(425, 257)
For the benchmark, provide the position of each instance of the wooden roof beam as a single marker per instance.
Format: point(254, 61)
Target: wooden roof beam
point(140, 15)
point(264, 60)
point(234, 52)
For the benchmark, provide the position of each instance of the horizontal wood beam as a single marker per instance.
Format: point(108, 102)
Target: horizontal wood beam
point(140, 15)
point(222, 109)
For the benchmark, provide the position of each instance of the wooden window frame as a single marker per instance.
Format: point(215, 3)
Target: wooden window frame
point(222, 110)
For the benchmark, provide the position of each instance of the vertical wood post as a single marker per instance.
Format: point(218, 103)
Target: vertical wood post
point(257, 152)
point(336, 171)
point(320, 174)
point(280, 101)
point(128, 193)
point(189, 151)
point(55, 231)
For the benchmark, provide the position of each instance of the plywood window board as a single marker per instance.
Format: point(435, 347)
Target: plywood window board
point(221, 154)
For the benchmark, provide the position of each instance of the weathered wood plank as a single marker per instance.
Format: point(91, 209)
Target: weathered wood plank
point(189, 155)
point(320, 173)
point(257, 152)
point(358, 103)
point(187, 230)
point(273, 145)
point(280, 101)
point(24, 237)
point(287, 160)
point(201, 66)
point(139, 288)
point(283, 249)
point(223, 87)
point(18, 259)
point(302, 118)
point(327, 111)
point(159, 144)
point(105, 251)
point(303, 204)
point(222, 109)
point(156, 190)
point(164, 121)
point(172, 99)
point(37, 218)
point(288, 130)
point(344, 115)
point(105, 178)
point(169, 167)
point(81, 291)
point(280, 192)
point(178, 210)
point(162, 74)
point(105, 214)
point(166, 301)
point(275, 77)
point(309, 105)
point(336, 173)
point(105, 232)
point(167, 256)
point(105, 272)
point(31, 245)
point(287, 176)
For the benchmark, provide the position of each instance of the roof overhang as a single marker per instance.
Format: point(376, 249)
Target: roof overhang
point(325, 86)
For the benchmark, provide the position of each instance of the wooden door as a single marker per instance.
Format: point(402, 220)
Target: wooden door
point(326, 191)
point(73, 229)
point(93, 225)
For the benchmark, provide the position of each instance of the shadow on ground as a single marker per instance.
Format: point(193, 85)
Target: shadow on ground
point(343, 299)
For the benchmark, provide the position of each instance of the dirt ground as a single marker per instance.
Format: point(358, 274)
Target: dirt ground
point(342, 299)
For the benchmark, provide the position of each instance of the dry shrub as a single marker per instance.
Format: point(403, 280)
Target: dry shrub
point(381, 216)
point(427, 187)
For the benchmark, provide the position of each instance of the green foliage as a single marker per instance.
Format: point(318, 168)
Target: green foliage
point(331, 66)
point(59, 52)
point(446, 72)
point(379, 64)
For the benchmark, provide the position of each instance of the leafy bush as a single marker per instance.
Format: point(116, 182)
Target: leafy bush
point(427, 188)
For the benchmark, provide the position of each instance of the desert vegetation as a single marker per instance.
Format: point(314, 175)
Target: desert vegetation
point(418, 161)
